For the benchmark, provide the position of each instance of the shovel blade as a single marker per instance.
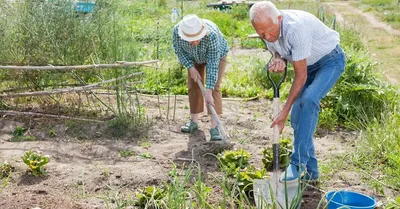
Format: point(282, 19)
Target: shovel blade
point(272, 194)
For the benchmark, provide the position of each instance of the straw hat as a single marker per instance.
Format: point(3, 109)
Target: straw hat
point(192, 28)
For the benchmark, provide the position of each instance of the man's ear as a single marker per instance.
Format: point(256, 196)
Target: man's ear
point(279, 19)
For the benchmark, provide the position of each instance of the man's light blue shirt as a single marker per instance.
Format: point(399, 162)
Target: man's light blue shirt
point(303, 36)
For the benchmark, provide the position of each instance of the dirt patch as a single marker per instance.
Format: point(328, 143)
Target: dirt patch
point(86, 173)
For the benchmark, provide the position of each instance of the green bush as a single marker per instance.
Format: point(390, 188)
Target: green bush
point(360, 95)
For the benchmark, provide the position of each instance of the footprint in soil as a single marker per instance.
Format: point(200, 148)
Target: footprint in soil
point(202, 151)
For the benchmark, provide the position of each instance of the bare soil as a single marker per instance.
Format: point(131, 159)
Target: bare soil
point(87, 171)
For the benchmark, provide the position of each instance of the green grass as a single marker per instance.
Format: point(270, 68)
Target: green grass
point(380, 148)
point(387, 10)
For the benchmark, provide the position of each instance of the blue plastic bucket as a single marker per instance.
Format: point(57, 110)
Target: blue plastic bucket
point(84, 7)
point(349, 200)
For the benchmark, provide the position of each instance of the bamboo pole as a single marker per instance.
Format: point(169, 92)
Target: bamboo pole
point(67, 90)
point(118, 64)
point(48, 115)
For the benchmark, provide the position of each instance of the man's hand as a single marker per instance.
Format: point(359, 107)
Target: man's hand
point(194, 74)
point(209, 97)
point(280, 121)
point(277, 65)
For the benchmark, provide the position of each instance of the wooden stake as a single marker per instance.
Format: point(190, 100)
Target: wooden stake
point(67, 90)
point(48, 115)
point(118, 64)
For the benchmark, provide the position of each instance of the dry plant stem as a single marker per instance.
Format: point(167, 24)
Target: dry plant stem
point(118, 64)
point(45, 86)
point(83, 83)
point(174, 109)
point(66, 90)
point(48, 115)
point(187, 159)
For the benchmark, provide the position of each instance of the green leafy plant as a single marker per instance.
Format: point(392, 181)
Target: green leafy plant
point(36, 162)
point(52, 133)
point(5, 169)
point(146, 155)
point(393, 204)
point(19, 131)
point(126, 153)
point(232, 161)
point(285, 150)
point(150, 196)
point(145, 144)
point(18, 135)
point(247, 175)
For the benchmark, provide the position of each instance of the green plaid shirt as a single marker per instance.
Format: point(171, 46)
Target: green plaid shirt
point(210, 50)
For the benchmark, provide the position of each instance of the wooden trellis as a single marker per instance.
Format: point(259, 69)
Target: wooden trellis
point(124, 99)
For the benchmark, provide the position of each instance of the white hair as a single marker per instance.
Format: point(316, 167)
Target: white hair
point(262, 10)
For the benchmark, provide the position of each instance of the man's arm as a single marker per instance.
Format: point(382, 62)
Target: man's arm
point(300, 77)
point(182, 55)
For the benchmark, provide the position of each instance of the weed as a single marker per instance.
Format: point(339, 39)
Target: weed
point(393, 204)
point(145, 144)
point(22, 138)
point(5, 169)
point(52, 133)
point(146, 155)
point(19, 131)
point(126, 153)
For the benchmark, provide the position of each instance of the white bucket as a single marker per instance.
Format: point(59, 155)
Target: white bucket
point(263, 198)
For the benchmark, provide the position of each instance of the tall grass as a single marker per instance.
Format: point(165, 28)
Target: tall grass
point(381, 146)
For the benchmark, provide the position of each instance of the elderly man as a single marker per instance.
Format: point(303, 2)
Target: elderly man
point(202, 49)
point(318, 61)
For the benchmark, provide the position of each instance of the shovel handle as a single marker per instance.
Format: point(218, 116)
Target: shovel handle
point(275, 86)
point(213, 113)
point(275, 106)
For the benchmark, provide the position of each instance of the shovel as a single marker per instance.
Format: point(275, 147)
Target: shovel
point(224, 136)
point(273, 191)
point(275, 138)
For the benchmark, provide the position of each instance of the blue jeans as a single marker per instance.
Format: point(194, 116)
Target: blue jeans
point(321, 77)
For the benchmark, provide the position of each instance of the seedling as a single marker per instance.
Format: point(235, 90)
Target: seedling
point(52, 133)
point(36, 162)
point(150, 196)
point(146, 155)
point(19, 131)
point(126, 153)
point(145, 144)
point(5, 170)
